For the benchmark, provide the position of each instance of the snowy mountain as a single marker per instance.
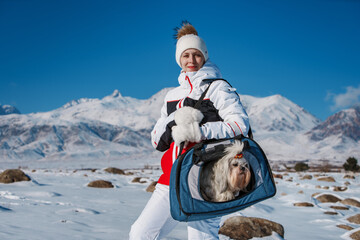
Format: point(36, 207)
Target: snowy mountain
point(276, 113)
point(345, 124)
point(278, 125)
point(117, 127)
point(338, 135)
point(287, 132)
point(114, 109)
point(110, 128)
point(7, 109)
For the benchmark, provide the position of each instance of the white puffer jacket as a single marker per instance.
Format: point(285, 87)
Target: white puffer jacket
point(224, 115)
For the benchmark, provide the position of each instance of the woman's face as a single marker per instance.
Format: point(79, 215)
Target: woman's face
point(191, 60)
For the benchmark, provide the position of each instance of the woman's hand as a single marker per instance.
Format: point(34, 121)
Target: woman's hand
point(187, 115)
point(186, 133)
point(187, 127)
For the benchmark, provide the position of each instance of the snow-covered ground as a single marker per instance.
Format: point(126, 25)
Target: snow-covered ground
point(57, 204)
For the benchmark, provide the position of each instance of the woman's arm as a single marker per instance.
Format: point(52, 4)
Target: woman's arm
point(161, 134)
point(227, 102)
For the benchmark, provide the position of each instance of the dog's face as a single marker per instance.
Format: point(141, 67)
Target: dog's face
point(239, 173)
point(224, 179)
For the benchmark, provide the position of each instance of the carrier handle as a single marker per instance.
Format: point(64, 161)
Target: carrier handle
point(216, 152)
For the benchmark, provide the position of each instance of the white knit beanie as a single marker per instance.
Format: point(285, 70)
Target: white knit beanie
point(191, 40)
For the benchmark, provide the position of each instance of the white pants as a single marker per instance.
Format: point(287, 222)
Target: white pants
point(155, 221)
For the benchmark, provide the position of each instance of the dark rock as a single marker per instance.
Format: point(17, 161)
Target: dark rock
point(314, 194)
point(243, 228)
point(100, 184)
point(138, 180)
point(13, 175)
point(326, 179)
point(306, 177)
point(330, 213)
point(354, 219)
point(355, 235)
point(325, 198)
point(303, 204)
point(114, 170)
point(346, 227)
point(151, 187)
point(339, 207)
point(351, 202)
point(340, 189)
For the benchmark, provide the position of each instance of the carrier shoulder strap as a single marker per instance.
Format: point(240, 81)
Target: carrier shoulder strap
point(208, 80)
point(198, 103)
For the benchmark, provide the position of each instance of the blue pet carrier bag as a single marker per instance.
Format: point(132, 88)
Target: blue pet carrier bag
point(186, 201)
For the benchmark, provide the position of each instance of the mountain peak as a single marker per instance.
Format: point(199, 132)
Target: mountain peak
point(345, 123)
point(116, 94)
point(8, 109)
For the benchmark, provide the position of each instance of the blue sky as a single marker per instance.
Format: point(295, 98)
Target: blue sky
point(52, 52)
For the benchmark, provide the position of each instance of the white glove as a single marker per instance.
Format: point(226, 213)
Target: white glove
point(187, 127)
point(186, 115)
point(186, 133)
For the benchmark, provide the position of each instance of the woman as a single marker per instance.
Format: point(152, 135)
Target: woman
point(221, 115)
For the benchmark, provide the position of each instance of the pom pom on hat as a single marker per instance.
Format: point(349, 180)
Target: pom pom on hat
point(185, 29)
point(187, 37)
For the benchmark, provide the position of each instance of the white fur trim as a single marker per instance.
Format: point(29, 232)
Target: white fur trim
point(187, 115)
point(190, 41)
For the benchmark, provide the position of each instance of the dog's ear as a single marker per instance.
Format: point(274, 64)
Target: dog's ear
point(247, 180)
point(222, 172)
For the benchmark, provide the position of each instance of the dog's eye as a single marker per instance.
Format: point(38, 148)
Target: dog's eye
point(235, 164)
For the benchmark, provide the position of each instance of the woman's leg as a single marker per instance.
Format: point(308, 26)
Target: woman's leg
point(155, 221)
point(204, 230)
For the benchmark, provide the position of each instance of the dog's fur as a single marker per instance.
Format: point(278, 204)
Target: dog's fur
point(224, 179)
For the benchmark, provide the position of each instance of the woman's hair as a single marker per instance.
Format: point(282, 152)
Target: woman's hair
point(187, 37)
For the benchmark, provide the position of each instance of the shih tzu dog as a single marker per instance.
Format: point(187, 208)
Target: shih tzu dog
point(224, 179)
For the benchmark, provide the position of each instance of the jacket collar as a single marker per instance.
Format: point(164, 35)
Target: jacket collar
point(194, 79)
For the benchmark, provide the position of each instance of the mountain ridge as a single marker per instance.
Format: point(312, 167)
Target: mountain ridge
point(118, 127)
